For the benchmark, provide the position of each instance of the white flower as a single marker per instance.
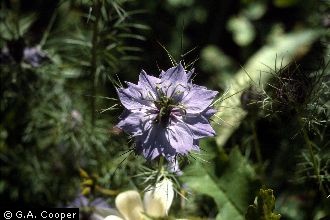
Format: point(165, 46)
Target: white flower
point(156, 202)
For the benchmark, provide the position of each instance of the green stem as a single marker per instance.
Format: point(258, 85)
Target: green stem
point(160, 165)
point(312, 155)
point(159, 171)
point(97, 8)
point(256, 145)
point(257, 150)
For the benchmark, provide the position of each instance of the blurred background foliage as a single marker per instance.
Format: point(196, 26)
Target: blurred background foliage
point(60, 61)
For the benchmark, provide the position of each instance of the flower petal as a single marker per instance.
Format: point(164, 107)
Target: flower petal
point(79, 201)
point(130, 205)
point(198, 99)
point(180, 137)
point(99, 203)
point(132, 98)
point(174, 74)
point(190, 73)
point(149, 83)
point(95, 216)
point(103, 212)
point(113, 217)
point(199, 126)
point(209, 112)
point(154, 142)
point(196, 145)
point(157, 200)
point(135, 123)
point(174, 82)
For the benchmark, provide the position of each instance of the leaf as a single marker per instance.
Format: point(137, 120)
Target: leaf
point(230, 190)
point(264, 208)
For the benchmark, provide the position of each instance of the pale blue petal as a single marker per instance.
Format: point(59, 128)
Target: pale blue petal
point(198, 99)
point(154, 143)
point(149, 85)
point(135, 123)
point(198, 126)
point(131, 98)
point(180, 138)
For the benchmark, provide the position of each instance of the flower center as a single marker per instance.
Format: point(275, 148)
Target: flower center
point(164, 106)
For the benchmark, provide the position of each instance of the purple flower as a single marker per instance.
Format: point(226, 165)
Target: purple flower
point(97, 209)
point(82, 201)
point(34, 56)
point(16, 51)
point(167, 115)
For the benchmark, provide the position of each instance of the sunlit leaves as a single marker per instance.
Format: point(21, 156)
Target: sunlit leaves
point(231, 189)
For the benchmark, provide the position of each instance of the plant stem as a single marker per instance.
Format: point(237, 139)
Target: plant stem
point(258, 151)
point(256, 145)
point(312, 155)
point(160, 165)
point(97, 7)
point(159, 171)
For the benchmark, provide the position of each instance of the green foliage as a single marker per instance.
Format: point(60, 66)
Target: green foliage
point(231, 188)
point(51, 125)
point(264, 209)
point(58, 117)
point(255, 71)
